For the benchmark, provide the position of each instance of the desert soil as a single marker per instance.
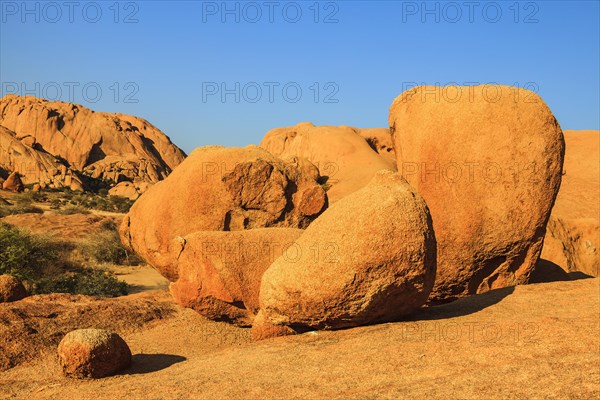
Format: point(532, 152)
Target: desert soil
point(534, 341)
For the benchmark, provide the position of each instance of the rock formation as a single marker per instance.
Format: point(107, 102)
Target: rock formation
point(92, 353)
point(489, 169)
point(380, 140)
point(126, 189)
point(220, 272)
point(13, 183)
point(100, 146)
point(33, 164)
point(344, 158)
point(370, 257)
point(221, 189)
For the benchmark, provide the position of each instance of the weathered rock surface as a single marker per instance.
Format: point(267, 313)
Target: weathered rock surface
point(110, 147)
point(221, 189)
point(13, 183)
point(380, 140)
point(93, 353)
point(370, 257)
point(342, 155)
point(125, 189)
point(11, 289)
point(220, 272)
point(489, 170)
point(34, 164)
point(573, 236)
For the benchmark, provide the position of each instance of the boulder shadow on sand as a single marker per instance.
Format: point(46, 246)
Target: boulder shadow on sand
point(463, 306)
point(146, 363)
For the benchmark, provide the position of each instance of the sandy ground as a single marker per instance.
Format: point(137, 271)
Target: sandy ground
point(141, 278)
point(535, 341)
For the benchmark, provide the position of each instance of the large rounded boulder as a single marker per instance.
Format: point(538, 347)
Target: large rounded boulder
point(488, 162)
point(370, 257)
point(222, 189)
point(220, 272)
point(92, 353)
point(346, 160)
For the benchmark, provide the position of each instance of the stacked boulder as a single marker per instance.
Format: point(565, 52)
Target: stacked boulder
point(223, 197)
point(253, 239)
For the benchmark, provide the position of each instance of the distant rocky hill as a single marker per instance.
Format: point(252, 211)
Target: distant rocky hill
point(61, 144)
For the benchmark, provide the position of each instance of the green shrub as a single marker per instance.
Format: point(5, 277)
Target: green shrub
point(25, 255)
point(109, 225)
point(89, 282)
point(46, 266)
point(106, 247)
point(30, 197)
point(73, 209)
point(100, 202)
point(120, 204)
point(21, 204)
point(55, 204)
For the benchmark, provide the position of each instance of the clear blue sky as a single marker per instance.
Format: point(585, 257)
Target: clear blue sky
point(173, 57)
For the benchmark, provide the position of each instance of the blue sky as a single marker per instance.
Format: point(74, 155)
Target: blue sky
point(280, 63)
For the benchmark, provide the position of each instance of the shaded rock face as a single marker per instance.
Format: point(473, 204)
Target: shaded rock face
point(221, 189)
point(93, 353)
point(573, 235)
point(489, 170)
point(11, 289)
point(33, 164)
point(370, 257)
point(572, 244)
point(110, 147)
point(344, 158)
point(13, 183)
point(220, 272)
point(380, 140)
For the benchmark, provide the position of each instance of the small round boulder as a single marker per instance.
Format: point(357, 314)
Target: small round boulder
point(11, 289)
point(93, 353)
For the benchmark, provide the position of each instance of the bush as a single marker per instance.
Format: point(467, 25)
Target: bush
point(24, 255)
point(109, 225)
point(55, 204)
point(6, 210)
point(30, 197)
point(73, 209)
point(103, 203)
point(89, 282)
point(120, 204)
point(45, 266)
point(106, 247)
